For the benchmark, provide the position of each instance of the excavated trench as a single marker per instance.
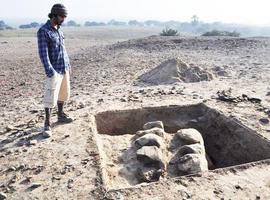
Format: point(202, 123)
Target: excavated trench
point(227, 141)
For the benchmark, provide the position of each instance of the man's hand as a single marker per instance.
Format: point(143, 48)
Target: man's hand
point(50, 73)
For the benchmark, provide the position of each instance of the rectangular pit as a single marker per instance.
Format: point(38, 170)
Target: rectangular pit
point(227, 141)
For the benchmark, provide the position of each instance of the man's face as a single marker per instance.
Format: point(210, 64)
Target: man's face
point(60, 19)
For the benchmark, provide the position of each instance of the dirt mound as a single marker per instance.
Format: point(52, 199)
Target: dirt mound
point(173, 71)
point(161, 43)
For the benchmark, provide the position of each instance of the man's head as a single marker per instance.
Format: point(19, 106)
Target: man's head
point(58, 14)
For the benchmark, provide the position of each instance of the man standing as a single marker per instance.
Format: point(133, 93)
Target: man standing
point(55, 60)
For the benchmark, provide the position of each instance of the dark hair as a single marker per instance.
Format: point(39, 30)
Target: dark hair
point(50, 15)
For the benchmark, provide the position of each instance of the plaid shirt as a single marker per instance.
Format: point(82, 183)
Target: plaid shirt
point(52, 51)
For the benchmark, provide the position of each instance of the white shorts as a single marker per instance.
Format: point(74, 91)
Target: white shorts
point(57, 88)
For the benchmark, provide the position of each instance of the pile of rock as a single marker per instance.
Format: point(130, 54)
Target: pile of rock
point(190, 156)
point(150, 146)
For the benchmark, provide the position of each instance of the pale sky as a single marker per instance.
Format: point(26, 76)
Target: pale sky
point(255, 12)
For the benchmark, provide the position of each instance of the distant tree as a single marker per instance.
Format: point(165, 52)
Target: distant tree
point(34, 24)
point(169, 32)
point(9, 28)
point(72, 23)
point(31, 25)
point(116, 23)
point(153, 23)
point(194, 20)
point(135, 23)
point(25, 26)
point(2, 24)
point(172, 23)
point(94, 24)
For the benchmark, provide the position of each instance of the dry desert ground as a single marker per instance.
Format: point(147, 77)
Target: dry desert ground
point(224, 93)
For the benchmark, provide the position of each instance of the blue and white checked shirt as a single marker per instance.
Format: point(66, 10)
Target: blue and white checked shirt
point(52, 51)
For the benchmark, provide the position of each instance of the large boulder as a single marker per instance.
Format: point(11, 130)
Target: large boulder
point(149, 139)
point(192, 164)
point(187, 149)
point(189, 136)
point(149, 174)
point(151, 156)
point(157, 131)
point(154, 124)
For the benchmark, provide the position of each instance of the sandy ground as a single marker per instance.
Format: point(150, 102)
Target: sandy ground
point(105, 64)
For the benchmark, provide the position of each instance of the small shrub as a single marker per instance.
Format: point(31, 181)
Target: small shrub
point(221, 33)
point(169, 32)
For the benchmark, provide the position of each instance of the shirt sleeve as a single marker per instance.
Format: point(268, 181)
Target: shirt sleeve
point(44, 53)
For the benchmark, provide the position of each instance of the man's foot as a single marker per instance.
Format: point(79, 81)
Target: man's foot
point(47, 132)
point(64, 118)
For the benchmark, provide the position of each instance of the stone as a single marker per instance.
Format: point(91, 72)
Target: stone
point(148, 174)
point(10, 128)
point(238, 187)
point(56, 178)
point(47, 134)
point(34, 186)
point(156, 131)
point(154, 124)
point(26, 181)
point(3, 130)
point(254, 100)
point(70, 183)
point(189, 136)
point(100, 100)
point(192, 164)
point(2, 196)
point(150, 155)
point(32, 142)
point(187, 149)
point(149, 140)
point(12, 168)
point(264, 121)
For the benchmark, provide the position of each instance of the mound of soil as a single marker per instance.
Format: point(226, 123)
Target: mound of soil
point(175, 70)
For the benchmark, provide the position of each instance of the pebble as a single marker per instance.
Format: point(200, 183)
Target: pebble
point(66, 135)
point(32, 142)
point(56, 178)
point(11, 169)
point(123, 100)
point(10, 127)
point(264, 121)
point(70, 183)
point(2, 196)
point(238, 187)
point(35, 185)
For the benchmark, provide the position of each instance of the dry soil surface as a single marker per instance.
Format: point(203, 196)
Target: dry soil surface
point(105, 65)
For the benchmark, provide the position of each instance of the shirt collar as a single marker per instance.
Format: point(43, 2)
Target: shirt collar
point(50, 26)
